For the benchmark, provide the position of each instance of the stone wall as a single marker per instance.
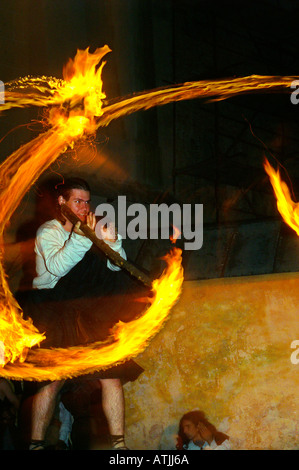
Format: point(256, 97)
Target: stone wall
point(226, 350)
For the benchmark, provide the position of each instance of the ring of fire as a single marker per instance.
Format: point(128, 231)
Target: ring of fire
point(82, 90)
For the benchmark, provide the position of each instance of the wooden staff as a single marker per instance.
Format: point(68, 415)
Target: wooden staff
point(112, 255)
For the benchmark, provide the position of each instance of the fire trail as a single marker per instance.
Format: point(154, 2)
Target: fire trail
point(75, 107)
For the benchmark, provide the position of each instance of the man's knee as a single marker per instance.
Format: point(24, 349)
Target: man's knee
point(52, 388)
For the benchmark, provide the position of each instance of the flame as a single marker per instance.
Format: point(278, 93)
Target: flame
point(16, 334)
point(75, 111)
point(81, 84)
point(127, 339)
point(288, 209)
point(176, 233)
point(82, 90)
point(49, 91)
point(84, 81)
point(19, 171)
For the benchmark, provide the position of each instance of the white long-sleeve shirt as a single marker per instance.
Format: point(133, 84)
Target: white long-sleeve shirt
point(58, 251)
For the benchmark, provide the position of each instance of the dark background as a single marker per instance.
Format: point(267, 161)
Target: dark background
point(187, 152)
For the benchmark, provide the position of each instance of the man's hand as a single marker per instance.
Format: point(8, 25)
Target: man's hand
point(90, 222)
point(109, 232)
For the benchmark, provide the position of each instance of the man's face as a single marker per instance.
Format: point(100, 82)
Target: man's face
point(79, 203)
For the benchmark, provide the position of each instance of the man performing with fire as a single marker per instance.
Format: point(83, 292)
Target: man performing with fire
point(77, 296)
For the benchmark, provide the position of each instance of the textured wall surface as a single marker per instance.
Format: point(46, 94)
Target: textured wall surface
point(226, 350)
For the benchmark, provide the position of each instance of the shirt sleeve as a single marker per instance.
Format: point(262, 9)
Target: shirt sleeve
point(118, 248)
point(61, 256)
